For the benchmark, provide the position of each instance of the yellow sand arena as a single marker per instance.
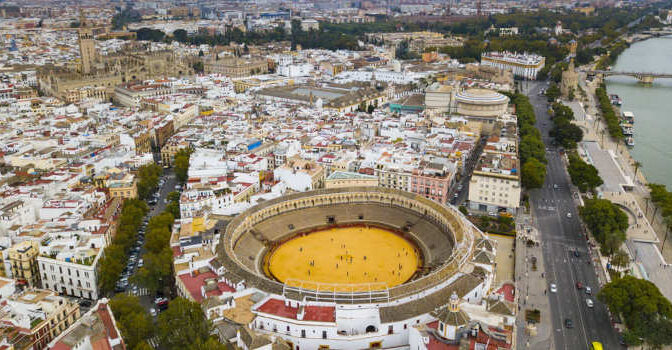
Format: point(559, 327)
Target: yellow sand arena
point(354, 258)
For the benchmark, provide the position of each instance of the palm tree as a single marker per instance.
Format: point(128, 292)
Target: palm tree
point(637, 165)
point(668, 224)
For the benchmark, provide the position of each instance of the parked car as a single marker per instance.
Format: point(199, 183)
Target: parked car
point(568, 323)
point(579, 285)
point(554, 288)
point(588, 290)
point(153, 312)
point(589, 303)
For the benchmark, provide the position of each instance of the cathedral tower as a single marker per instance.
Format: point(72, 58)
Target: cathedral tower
point(87, 45)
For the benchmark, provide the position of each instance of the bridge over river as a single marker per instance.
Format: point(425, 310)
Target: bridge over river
point(643, 77)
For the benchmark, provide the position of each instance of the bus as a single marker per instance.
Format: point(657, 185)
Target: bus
point(596, 346)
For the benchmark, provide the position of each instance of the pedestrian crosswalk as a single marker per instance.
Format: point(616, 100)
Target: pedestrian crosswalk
point(138, 291)
point(154, 342)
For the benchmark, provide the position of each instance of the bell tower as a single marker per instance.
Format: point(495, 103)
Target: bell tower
point(87, 45)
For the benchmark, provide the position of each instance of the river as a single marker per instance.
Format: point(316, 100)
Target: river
point(652, 105)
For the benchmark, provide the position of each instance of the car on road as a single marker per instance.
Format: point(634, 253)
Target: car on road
point(554, 288)
point(569, 215)
point(569, 323)
point(579, 285)
point(588, 290)
point(589, 303)
point(153, 312)
point(577, 254)
point(492, 213)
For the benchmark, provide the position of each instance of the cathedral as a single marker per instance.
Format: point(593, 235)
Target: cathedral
point(96, 75)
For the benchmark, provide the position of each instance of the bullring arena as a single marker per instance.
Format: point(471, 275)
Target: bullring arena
point(353, 268)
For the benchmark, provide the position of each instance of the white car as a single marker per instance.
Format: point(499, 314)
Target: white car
point(152, 312)
point(554, 288)
point(569, 215)
point(589, 303)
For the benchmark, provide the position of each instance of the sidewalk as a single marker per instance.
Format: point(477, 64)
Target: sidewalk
point(530, 293)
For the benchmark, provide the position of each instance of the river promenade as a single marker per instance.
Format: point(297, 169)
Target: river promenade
point(646, 232)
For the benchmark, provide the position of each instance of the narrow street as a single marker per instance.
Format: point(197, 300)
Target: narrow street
point(147, 300)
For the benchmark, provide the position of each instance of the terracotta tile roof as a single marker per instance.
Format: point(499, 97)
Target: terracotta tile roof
point(277, 307)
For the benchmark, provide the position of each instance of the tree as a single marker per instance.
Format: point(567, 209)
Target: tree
point(143, 346)
point(157, 239)
point(182, 325)
point(637, 165)
point(620, 259)
point(148, 179)
point(463, 210)
point(200, 53)
point(124, 17)
point(606, 221)
point(210, 344)
point(644, 309)
point(157, 271)
point(566, 133)
point(584, 176)
point(182, 164)
point(532, 147)
point(533, 174)
point(371, 108)
point(112, 263)
point(134, 322)
point(150, 34)
point(110, 267)
point(553, 92)
point(198, 67)
point(180, 35)
point(173, 196)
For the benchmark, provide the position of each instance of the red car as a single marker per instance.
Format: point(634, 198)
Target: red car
point(579, 285)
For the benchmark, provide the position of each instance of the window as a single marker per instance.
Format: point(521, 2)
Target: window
point(324, 336)
point(303, 333)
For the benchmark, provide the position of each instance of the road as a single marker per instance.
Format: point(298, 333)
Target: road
point(555, 214)
point(463, 194)
point(146, 300)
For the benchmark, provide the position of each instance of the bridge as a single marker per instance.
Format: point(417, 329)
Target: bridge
point(643, 77)
point(660, 32)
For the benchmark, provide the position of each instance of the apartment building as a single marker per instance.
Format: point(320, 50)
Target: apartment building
point(37, 316)
point(523, 65)
point(68, 263)
point(22, 258)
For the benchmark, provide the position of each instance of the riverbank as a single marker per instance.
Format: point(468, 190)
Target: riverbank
point(635, 200)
